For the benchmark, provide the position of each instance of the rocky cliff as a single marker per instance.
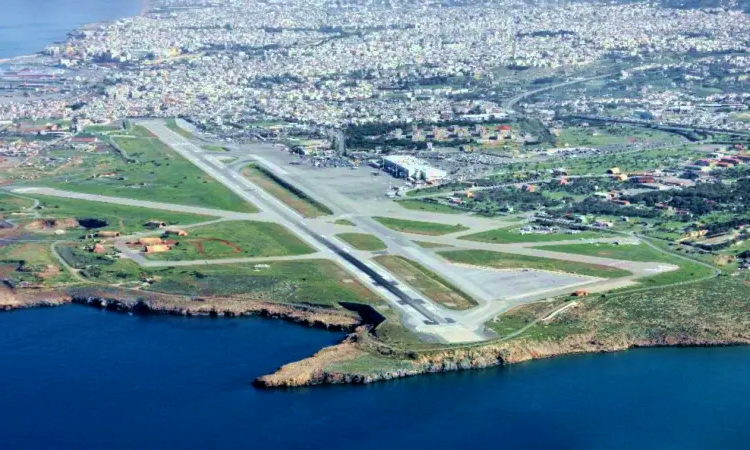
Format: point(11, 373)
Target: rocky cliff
point(150, 303)
point(325, 366)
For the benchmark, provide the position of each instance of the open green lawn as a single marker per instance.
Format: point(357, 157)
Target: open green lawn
point(511, 261)
point(425, 244)
point(688, 270)
point(214, 148)
point(310, 282)
point(522, 315)
point(426, 282)
point(600, 136)
point(102, 128)
point(172, 125)
point(362, 241)
point(125, 219)
point(11, 203)
point(628, 252)
point(419, 205)
point(235, 239)
point(295, 199)
point(31, 262)
point(159, 175)
point(510, 235)
point(417, 227)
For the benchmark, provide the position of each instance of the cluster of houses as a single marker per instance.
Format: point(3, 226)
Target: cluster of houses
point(719, 161)
point(482, 134)
point(146, 244)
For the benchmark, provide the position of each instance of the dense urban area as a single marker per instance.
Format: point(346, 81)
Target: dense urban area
point(458, 184)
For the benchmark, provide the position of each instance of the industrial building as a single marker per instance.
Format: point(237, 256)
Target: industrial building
point(404, 166)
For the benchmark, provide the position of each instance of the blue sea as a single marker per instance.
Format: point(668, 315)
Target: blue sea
point(80, 378)
point(76, 377)
point(27, 26)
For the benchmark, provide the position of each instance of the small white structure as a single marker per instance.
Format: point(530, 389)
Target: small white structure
point(405, 166)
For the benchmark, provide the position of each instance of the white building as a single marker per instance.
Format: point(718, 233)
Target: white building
point(404, 166)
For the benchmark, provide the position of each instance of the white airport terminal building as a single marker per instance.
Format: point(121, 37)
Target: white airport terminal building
point(404, 166)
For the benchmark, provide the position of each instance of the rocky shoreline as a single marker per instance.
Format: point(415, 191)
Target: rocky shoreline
point(311, 372)
point(334, 320)
point(329, 365)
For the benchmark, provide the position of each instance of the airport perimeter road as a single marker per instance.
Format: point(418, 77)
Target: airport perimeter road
point(419, 311)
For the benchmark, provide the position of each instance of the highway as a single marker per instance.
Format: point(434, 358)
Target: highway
point(510, 103)
point(419, 310)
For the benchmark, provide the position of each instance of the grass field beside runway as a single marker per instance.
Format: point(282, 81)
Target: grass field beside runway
point(234, 239)
point(418, 227)
point(500, 260)
point(427, 282)
point(362, 241)
point(158, 174)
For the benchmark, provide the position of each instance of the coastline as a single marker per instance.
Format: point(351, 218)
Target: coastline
point(162, 304)
point(312, 371)
point(34, 53)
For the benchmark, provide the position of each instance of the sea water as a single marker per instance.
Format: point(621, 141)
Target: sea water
point(78, 377)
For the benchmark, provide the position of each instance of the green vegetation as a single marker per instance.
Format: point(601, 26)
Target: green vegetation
point(214, 148)
point(294, 198)
point(427, 282)
point(122, 218)
point(440, 189)
point(417, 227)
point(688, 270)
point(714, 310)
point(79, 257)
point(11, 203)
point(172, 125)
point(430, 206)
point(31, 262)
point(425, 244)
point(601, 136)
point(235, 239)
point(511, 261)
point(369, 363)
point(159, 174)
point(362, 241)
point(598, 164)
point(521, 316)
point(627, 252)
point(102, 128)
point(345, 222)
point(510, 235)
point(310, 282)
